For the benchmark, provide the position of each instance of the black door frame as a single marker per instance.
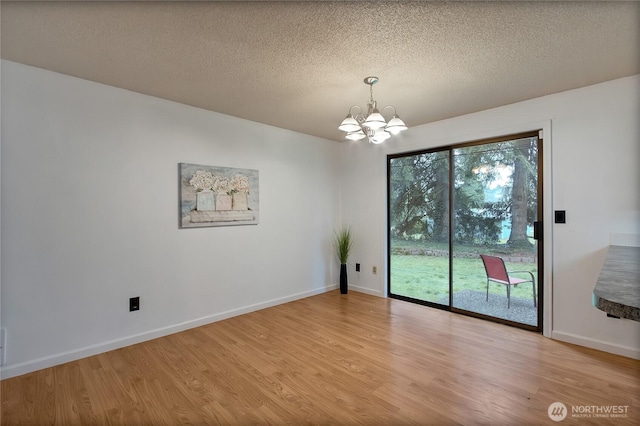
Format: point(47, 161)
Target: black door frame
point(538, 226)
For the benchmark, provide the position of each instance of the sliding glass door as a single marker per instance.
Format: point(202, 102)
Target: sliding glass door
point(453, 209)
point(419, 231)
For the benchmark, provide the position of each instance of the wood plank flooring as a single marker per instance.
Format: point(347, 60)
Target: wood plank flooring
point(332, 359)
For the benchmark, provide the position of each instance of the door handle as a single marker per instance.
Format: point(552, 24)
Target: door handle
point(537, 230)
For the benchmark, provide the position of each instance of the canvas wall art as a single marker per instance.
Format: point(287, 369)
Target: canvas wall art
point(217, 196)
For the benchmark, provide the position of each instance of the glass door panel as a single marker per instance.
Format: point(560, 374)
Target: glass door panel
point(419, 227)
point(494, 210)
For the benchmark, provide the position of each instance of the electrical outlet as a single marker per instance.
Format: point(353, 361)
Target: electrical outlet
point(134, 304)
point(357, 267)
point(375, 270)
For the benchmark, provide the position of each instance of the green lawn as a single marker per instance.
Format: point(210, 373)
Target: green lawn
point(426, 277)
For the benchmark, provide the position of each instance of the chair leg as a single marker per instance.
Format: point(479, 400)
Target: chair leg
point(535, 299)
point(508, 296)
point(487, 290)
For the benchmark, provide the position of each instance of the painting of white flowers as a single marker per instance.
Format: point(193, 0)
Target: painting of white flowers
point(217, 196)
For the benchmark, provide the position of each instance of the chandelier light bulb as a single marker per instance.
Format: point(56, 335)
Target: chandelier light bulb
point(375, 121)
point(380, 136)
point(395, 125)
point(349, 124)
point(356, 136)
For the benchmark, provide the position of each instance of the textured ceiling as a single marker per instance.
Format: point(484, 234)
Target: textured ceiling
point(300, 65)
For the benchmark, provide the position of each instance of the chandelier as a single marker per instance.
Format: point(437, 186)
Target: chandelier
point(371, 125)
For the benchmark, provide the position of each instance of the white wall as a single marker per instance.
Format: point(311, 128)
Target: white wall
point(89, 201)
point(591, 154)
point(90, 218)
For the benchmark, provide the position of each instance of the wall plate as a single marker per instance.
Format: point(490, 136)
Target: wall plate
point(134, 304)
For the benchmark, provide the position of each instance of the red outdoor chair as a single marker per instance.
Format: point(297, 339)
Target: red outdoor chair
point(497, 273)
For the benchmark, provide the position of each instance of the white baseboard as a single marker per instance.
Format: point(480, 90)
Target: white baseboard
point(365, 290)
point(61, 358)
point(596, 344)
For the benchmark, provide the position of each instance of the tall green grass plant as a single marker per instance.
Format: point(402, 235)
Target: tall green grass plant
point(343, 242)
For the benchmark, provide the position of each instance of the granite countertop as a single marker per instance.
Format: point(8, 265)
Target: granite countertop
point(617, 291)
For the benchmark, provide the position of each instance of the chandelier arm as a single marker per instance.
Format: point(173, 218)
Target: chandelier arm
point(355, 106)
point(389, 106)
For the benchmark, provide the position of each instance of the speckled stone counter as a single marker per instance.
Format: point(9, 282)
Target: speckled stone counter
point(617, 291)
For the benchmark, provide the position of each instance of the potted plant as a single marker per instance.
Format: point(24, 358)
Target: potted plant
point(343, 242)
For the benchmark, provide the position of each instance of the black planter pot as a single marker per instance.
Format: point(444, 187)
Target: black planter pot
point(344, 289)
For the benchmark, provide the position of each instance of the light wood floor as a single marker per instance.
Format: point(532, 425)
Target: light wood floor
point(332, 359)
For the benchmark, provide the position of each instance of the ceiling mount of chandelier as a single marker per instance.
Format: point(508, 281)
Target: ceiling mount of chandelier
point(371, 125)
